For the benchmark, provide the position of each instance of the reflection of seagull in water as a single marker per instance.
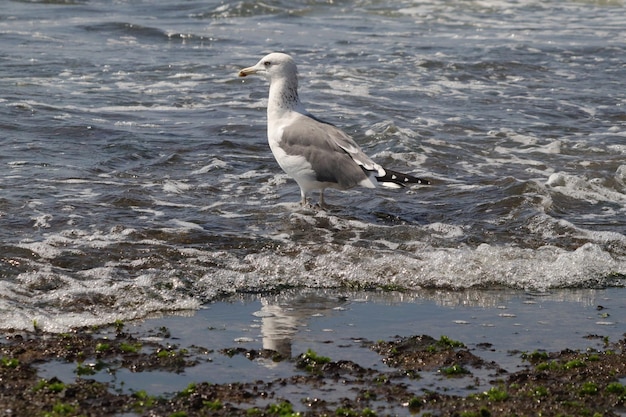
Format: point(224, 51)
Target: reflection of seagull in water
point(278, 328)
point(283, 316)
point(315, 153)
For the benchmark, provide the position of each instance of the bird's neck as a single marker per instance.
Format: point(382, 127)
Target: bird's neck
point(283, 98)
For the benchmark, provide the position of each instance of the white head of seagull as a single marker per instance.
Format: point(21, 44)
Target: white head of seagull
point(281, 70)
point(315, 153)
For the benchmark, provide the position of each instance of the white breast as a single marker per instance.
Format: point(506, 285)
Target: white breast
point(296, 166)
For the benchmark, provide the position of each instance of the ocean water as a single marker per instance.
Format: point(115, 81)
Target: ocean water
point(135, 175)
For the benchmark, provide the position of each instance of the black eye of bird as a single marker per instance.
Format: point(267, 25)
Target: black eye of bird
point(267, 63)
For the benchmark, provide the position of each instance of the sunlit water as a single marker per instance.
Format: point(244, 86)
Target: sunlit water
point(136, 176)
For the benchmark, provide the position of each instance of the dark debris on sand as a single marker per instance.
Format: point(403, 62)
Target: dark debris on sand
point(566, 383)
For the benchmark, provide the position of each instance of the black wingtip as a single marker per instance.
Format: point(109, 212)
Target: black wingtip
point(401, 179)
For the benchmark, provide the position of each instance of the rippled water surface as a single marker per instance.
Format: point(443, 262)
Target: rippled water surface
point(135, 174)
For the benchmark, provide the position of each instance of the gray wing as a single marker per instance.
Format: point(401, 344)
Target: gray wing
point(334, 156)
point(345, 142)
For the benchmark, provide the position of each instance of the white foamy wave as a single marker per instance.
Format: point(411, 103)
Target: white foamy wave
point(591, 190)
point(55, 301)
point(146, 281)
point(215, 164)
point(548, 229)
point(175, 187)
point(484, 267)
point(446, 230)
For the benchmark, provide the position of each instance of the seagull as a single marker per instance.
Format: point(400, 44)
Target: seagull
point(315, 153)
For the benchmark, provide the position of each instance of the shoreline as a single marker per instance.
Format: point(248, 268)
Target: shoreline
point(329, 352)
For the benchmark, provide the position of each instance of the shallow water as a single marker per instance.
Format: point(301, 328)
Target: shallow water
point(495, 325)
point(136, 175)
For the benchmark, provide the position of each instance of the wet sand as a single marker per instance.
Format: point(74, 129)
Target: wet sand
point(332, 352)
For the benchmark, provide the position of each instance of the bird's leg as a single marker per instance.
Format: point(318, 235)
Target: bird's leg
point(303, 199)
point(322, 204)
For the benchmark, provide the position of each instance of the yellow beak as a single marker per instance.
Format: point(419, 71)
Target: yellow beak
point(247, 71)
